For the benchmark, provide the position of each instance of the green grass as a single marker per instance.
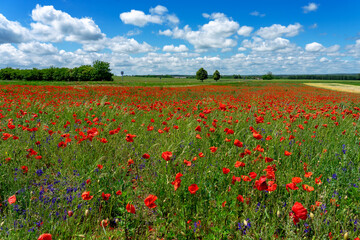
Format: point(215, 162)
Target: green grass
point(308, 122)
point(172, 82)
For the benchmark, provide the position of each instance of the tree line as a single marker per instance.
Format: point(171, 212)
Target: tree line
point(99, 71)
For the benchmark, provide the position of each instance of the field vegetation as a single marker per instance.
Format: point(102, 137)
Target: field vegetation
point(231, 160)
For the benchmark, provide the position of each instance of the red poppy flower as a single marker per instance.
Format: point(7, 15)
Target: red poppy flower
point(287, 153)
point(130, 137)
point(245, 178)
point(296, 180)
point(118, 192)
point(25, 169)
point(240, 198)
point(193, 188)
point(318, 180)
point(307, 188)
point(105, 196)
point(308, 174)
point(146, 156)
point(267, 159)
point(100, 166)
point(166, 155)
point(257, 135)
point(130, 161)
point(198, 128)
point(238, 143)
point(261, 184)
point(86, 195)
point(253, 175)
point(130, 208)
point(226, 170)
point(239, 164)
point(187, 163)
point(12, 199)
point(213, 149)
point(150, 201)
point(298, 212)
point(271, 186)
point(292, 186)
point(223, 204)
point(45, 236)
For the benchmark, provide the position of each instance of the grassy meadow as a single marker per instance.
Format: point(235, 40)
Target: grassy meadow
point(178, 159)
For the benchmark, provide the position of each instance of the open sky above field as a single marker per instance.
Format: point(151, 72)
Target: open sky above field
point(179, 37)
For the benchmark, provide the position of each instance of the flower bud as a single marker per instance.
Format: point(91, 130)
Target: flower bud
point(245, 223)
point(346, 235)
point(70, 213)
point(312, 215)
point(86, 213)
point(278, 213)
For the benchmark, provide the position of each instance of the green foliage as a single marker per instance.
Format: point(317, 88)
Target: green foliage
point(201, 74)
point(216, 75)
point(100, 71)
point(236, 76)
point(268, 76)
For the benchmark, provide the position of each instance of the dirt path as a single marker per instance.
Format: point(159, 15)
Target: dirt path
point(336, 87)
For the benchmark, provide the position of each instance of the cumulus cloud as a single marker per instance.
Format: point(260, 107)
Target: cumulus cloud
point(118, 44)
point(260, 45)
point(314, 47)
point(158, 15)
point(54, 26)
point(38, 48)
point(354, 50)
point(172, 48)
point(12, 32)
point(245, 31)
point(215, 34)
point(311, 7)
point(277, 30)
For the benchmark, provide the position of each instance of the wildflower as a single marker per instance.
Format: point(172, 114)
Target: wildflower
point(86, 195)
point(193, 188)
point(45, 236)
point(130, 208)
point(150, 201)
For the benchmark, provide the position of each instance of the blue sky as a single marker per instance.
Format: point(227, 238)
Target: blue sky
point(178, 37)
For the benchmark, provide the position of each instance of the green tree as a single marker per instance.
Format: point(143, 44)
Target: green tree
point(216, 75)
point(201, 74)
point(102, 71)
point(268, 76)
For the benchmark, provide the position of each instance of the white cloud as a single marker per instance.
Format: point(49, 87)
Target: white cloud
point(354, 50)
point(160, 10)
point(158, 15)
point(54, 25)
point(261, 45)
point(318, 47)
point(311, 7)
point(38, 48)
point(245, 31)
point(277, 30)
point(324, 59)
point(214, 34)
point(172, 48)
point(139, 18)
point(118, 45)
point(12, 32)
point(257, 14)
point(314, 47)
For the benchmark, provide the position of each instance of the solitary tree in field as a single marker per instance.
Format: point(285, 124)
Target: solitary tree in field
point(216, 75)
point(268, 76)
point(102, 71)
point(201, 74)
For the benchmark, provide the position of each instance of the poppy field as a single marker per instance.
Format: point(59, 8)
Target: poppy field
point(274, 161)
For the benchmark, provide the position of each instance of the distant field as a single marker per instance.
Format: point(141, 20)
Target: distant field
point(173, 82)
